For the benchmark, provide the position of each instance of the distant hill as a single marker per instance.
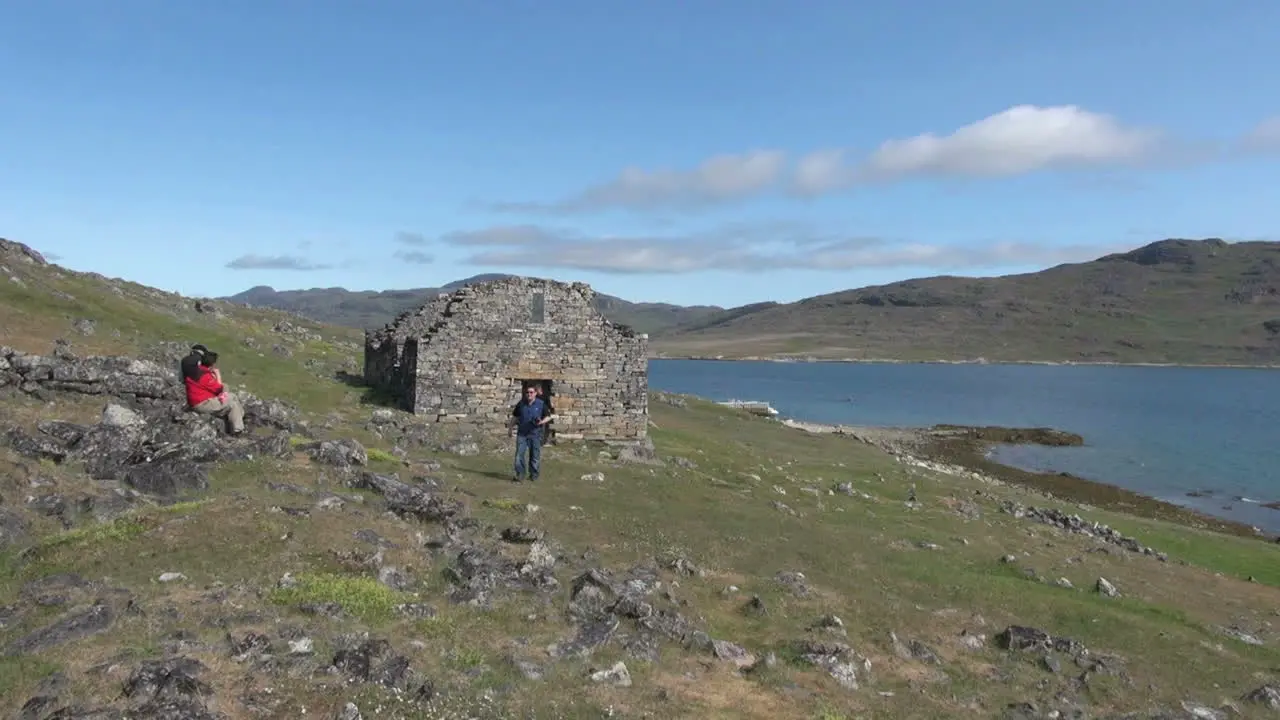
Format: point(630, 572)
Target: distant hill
point(368, 309)
point(1173, 301)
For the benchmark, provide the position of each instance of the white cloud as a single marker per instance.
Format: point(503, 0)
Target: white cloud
point(1265, 137)
point(274, 262)
point(415, 257)
point(1019, 140)
point(748, 248)
point(716, 179)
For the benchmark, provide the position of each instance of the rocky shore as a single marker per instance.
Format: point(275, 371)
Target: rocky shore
point(958, 448)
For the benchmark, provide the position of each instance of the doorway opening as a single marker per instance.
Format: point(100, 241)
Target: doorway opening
point(548, 395)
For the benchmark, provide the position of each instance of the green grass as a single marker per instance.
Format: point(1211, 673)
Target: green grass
point(363, 597)
point(116, 530)
point(862, 559)
point(381, 456)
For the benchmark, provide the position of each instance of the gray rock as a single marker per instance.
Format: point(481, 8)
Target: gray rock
point(1268, 696)
point(616, 675)
point(342, 453)
point(73, 626)
point(1106, 588)
point(114, 415)
point(169, 480)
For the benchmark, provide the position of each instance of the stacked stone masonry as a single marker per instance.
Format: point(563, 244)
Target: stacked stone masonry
point(463, 357)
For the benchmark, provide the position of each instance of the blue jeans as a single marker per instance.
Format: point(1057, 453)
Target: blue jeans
point(531, 444)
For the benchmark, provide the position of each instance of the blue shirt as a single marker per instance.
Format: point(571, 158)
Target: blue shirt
point(527, 416)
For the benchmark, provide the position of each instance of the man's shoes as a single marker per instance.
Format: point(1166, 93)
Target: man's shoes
point(515, 478)
point(533, 478)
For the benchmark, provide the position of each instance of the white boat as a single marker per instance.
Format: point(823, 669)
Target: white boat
point(755, 407)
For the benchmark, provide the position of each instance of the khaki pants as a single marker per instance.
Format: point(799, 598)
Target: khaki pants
point(230, 411)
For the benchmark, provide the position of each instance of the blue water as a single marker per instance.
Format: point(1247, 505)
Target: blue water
point(1157, 430)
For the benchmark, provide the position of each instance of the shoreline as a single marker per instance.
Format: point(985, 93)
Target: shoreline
point(952, 449)
point(978, 361)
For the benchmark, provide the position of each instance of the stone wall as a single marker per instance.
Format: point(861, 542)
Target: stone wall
point(384, 347)
point(462, 358)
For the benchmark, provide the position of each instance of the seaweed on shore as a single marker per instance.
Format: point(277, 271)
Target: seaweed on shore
point(968, 446)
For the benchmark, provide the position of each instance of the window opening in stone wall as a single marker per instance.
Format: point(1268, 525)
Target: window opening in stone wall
point(538, 307)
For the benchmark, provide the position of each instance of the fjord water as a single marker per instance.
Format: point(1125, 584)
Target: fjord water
point(1160, 431)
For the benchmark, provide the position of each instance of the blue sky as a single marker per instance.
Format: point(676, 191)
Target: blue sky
point(692, 152)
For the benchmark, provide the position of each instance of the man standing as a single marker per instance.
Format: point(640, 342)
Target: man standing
point(528, 418)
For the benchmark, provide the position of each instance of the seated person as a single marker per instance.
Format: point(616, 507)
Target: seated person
point(206, 393)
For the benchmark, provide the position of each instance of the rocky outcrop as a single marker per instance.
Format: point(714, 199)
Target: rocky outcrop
point(145, 443)
point(1079, 526)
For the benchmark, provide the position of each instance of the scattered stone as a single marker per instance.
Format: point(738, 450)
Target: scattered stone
point(831, 624)
point(522, 535)
point(114, 415)
point(595, 477)
point(342, 453)
point(837, 659)
point(394, 578)
point(1241, 635)
point(409, 501)
point(1105, 587)
point(972, 641)
point(301, 646)
point(731, 652)
point(350, 711)
point(169, 577)
point(530, 670)
point(755, 607)
point(333, 502)
point(617, 675)
point(795, 582)
point(1267, 696)
point(1201, 712)
point(171, 686)
point(1076, 525)
point(913, 650)
point(74, 626)
point(1064, 583)
point(642, 453)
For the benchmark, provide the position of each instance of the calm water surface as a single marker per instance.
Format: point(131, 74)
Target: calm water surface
point(1160, 431)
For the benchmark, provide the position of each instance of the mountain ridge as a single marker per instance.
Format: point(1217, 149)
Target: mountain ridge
point(1175, 301)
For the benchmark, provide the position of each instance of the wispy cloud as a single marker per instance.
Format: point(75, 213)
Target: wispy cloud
point(415, 257)
point(716, 179)
point(1265, 137)
point(748, 248)
point(275, 262)
point(1016, 141)
point(411, 238)
point(1020, 140)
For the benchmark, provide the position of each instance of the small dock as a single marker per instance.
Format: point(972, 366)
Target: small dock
point(755, 407)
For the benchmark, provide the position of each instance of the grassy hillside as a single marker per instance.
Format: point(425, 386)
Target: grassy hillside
point(369, 309)
point(745, 570)
point(1174, 301)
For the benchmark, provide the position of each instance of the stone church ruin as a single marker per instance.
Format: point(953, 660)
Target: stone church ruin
point(464, 357)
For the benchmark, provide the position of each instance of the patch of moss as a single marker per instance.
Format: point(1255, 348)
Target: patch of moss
point(360, 596)
point(122, 528)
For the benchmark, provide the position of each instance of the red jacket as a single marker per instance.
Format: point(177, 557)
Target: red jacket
point(205, 387)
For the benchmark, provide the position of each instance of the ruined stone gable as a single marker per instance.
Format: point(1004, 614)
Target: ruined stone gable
point(462, 358)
